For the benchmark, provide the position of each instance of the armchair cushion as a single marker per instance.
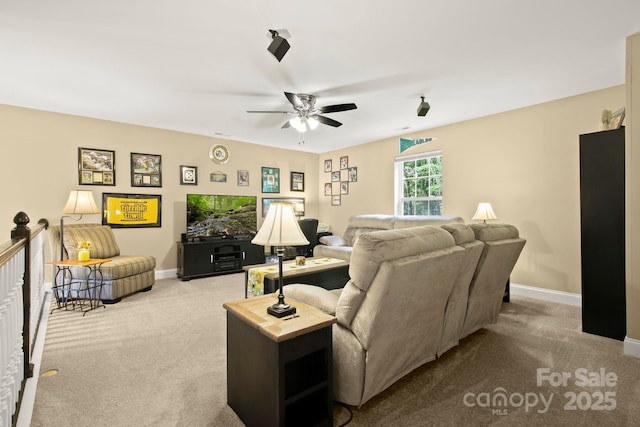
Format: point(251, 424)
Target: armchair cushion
point(103, 242)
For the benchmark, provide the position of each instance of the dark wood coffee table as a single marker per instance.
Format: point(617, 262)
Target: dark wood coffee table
point(328, 273)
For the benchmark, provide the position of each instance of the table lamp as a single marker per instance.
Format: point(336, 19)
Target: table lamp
point(80, 202)
point(484, 212)
point(280, 228)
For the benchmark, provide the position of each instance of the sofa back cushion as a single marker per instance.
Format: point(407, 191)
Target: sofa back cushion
point(406, 221)
point(372, 249)
point(396, 299)
point(103, 242)
point(366, 223)
point(502, 248)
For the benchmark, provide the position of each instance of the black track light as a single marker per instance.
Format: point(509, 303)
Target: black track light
point(279, 46)
point(423, 108)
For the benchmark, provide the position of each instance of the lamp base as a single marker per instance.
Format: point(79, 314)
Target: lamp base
point(281, 310)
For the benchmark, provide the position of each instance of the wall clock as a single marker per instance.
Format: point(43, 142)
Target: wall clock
point(219, 154)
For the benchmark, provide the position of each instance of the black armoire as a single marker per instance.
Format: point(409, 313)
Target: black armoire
point(602, 216)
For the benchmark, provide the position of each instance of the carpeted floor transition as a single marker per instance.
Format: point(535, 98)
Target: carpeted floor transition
point(158, 358)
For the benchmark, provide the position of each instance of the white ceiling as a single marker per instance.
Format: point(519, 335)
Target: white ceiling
point(198, 65)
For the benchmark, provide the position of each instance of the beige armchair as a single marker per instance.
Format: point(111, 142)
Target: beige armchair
point(123, 275)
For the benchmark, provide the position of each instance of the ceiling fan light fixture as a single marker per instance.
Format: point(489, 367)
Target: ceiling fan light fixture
point(298, 124)
point(313, 122)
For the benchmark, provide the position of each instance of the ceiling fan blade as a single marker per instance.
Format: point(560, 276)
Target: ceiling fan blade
point(328, 121)
point(338, 107)
point(279, 112)
point(286, 125)
point(294, 100)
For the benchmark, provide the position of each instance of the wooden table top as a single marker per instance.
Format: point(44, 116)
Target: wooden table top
point(254, 312)
point(74, 262)
point(312, 265)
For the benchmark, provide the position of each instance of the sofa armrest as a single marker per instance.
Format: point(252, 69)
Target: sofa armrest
point(315, 296)
point(333, 240)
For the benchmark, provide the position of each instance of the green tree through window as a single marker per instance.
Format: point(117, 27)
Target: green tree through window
point(419, 183)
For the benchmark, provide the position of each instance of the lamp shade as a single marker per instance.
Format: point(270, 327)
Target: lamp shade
point(484, 212)
point(80, 202)
point(280, 228)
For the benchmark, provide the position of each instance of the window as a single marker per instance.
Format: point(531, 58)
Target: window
point(419, 184)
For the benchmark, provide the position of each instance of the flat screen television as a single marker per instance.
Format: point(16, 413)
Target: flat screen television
point(221, 216)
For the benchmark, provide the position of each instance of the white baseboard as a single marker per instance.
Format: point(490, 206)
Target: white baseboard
point(547, 295)
point(631, 347)
point(166, 274)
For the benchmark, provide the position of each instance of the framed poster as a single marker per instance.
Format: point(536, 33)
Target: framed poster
point(327, 165)
point(344, 162)
point(270, 180)
point(243, 177)
point(353, 174)
point(96, 167)
point(188, 175)
point(298, 203)
point(218, 176)
point(146, 170)
point(327, 189)
point(344, 187)
point(131, 210)
point(297, 181)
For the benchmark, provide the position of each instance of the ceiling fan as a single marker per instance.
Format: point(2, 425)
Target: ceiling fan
point(306, 115)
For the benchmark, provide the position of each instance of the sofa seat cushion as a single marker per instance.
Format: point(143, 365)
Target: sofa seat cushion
point(103, 242)
point(120, 267)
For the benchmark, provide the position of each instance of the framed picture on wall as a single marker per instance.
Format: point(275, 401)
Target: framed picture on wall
point(96, 167)
point(131, 210)
point(335, 200)
point(344, 162)
point(146, 170)
point(327, 165)
point(270, 180)
point(353, 174)
point(298, 203)
point(297, 181)
point(243, 178)
point(188, 175)
point(344, 187)
point(327, 189)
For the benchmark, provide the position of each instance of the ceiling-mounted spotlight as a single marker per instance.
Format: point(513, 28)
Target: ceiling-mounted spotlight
point(279, 45)
point(423, 108)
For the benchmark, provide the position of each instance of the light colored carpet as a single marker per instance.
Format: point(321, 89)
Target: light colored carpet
point(158, 358)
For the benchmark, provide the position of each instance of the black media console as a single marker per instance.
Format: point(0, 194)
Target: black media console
point(216, 256)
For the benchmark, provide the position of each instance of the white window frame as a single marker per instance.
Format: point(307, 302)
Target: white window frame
point(398, 197)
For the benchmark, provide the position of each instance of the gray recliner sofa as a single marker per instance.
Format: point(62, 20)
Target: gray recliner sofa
point(413, 294)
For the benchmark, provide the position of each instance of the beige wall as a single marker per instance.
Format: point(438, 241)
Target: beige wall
point(525, 162)
point(633, 190)
point(39, 166)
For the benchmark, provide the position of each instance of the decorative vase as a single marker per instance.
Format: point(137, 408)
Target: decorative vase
point(84, 254)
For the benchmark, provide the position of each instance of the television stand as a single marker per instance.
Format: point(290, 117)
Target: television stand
point(216, 256)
